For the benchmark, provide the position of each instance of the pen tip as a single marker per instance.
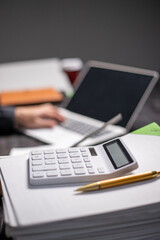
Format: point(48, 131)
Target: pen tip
point(78, 190)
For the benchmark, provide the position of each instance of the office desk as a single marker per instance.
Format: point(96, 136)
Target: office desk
point(15, 139)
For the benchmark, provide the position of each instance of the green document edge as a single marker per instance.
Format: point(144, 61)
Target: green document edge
point(150, 129)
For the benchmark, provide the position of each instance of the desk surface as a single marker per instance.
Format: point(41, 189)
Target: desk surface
point(16, 140)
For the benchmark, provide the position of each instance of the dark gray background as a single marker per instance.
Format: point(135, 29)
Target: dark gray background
point(118, 31)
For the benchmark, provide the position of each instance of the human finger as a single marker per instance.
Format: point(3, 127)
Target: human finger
point(52, 113)
point(44, 123)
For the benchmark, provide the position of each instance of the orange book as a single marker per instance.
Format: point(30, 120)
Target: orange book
point(30, 96)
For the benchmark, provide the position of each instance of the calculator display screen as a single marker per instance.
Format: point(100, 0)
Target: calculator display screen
point(117, 154)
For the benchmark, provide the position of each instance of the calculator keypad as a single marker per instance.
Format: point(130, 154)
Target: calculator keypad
point(62, 162)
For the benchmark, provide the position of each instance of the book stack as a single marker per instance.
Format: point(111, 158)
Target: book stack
point(58, 212)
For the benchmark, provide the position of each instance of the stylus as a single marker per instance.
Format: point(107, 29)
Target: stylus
point(112, 121)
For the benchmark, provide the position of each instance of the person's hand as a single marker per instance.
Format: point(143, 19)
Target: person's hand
point(39, 116)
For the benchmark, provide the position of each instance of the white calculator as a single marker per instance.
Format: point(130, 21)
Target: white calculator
point(80, 164)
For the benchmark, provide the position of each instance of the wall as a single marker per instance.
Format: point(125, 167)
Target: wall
point(118, 31)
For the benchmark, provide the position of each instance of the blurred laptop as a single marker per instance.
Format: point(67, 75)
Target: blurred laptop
point(102, 91)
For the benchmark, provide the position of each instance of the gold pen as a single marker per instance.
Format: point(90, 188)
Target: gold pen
point(118, 181)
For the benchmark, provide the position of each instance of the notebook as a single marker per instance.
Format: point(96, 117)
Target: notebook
point(102, 90)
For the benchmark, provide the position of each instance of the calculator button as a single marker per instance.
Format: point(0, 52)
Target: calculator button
point(48, 151)
point(62, 155)
point(66, 172)
point(79, 171)
point(77, 165)
point(36, 152)
point(50, 167)
point(48, 156)
point(76, 160)
point(91, 170)
point(38, 174)
point(71, 150)
point(63, 161)
point(61, 151)
point(86, 159)
point(84, 154)
point(74, 155)
point(101, 170)
point(89, 165)
point(36, 157)
point(50, 161)
point(37, 162)
point(38, 168)
point(52, 173)
point(83, 149)
point(64, 166)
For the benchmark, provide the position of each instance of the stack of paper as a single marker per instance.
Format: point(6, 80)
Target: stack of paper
point(34, 74)
point(58, 212)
